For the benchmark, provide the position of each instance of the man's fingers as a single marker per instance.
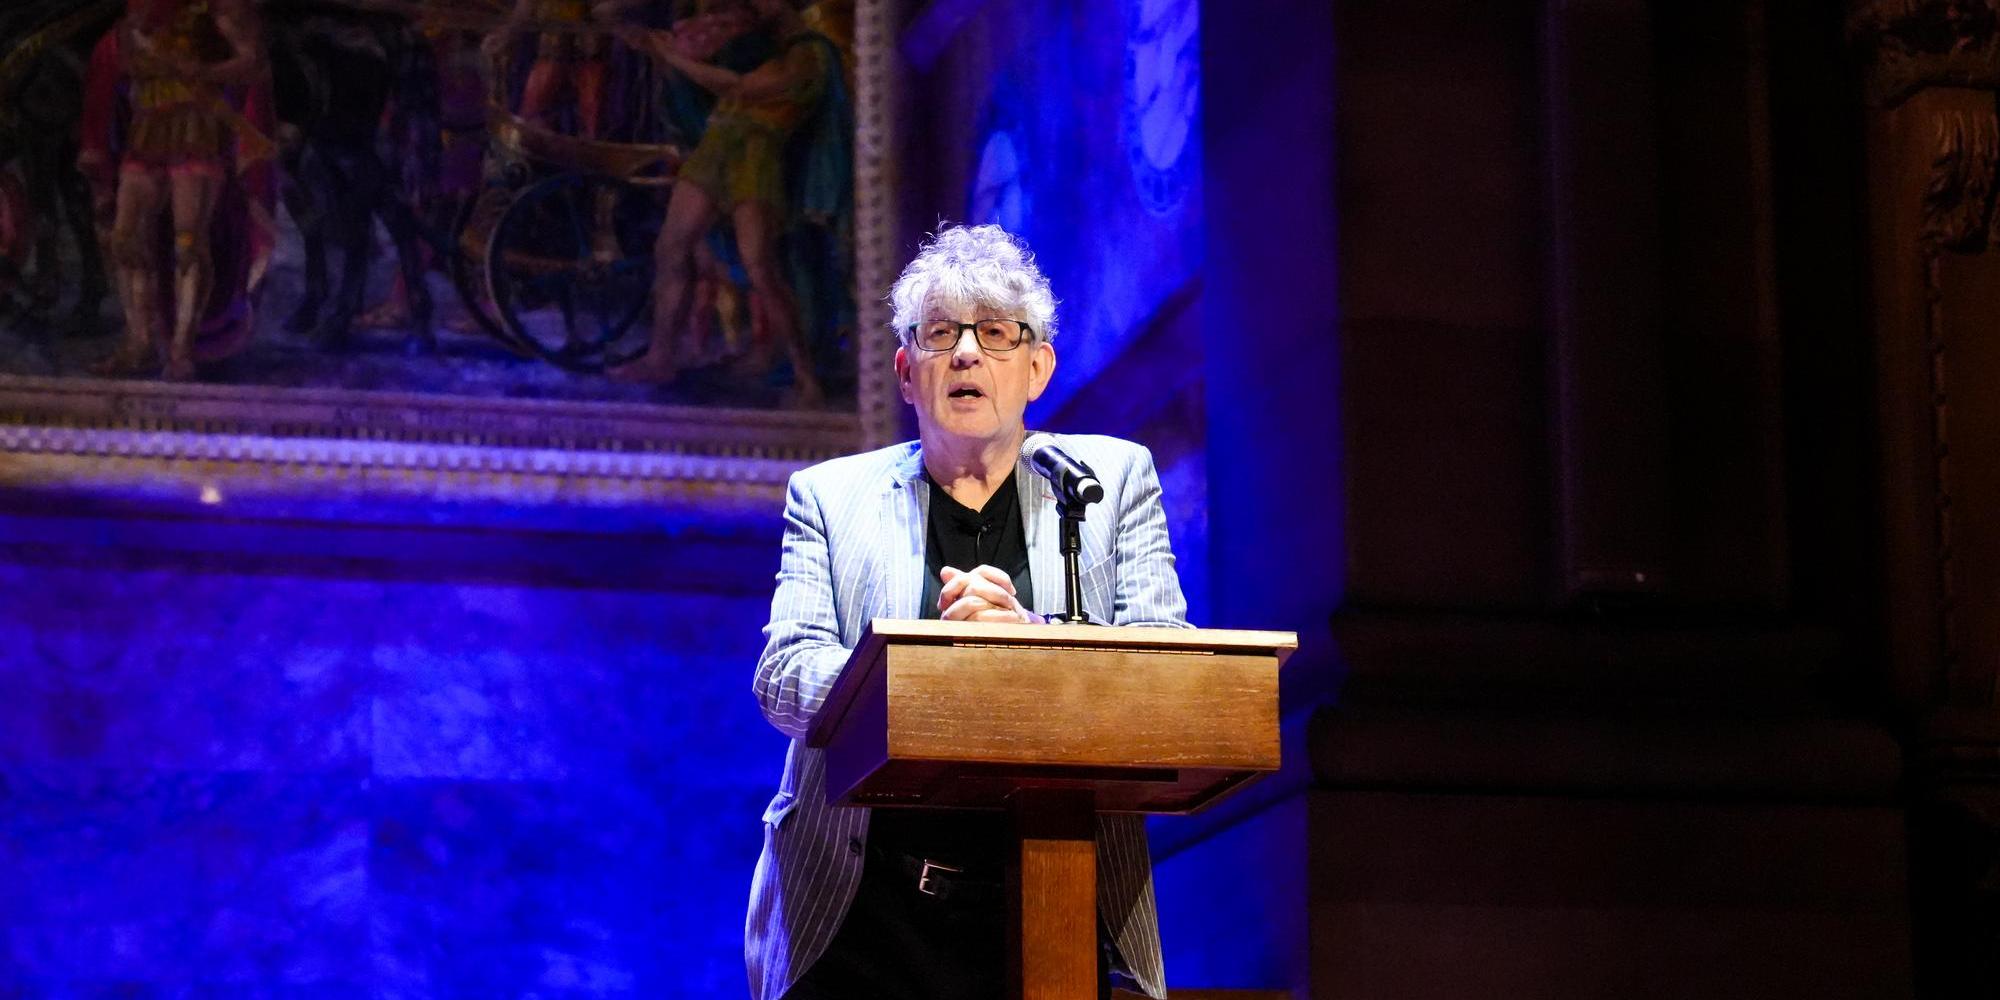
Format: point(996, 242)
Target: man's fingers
point(976, 609)
point(963, 609)
point(973, 586)
point(997, 575)
point(998, 615)
point(969, 584)
point(993, 573)
point(957, 580)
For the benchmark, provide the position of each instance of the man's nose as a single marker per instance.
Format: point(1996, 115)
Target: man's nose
point(966, 353)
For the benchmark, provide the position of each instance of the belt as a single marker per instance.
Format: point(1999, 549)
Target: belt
point(943, 881)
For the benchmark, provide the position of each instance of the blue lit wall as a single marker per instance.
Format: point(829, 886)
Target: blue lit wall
point(1233, 882)
point(1077, 125)
point(219, 783)
point(1197, 271)
point(1188, 229)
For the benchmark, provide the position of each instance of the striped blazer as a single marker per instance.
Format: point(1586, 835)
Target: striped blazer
point(854, 551)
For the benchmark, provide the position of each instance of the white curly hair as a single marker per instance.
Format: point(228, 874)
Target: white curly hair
point(983, 267)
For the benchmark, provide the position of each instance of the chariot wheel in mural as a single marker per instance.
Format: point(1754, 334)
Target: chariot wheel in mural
point(561, 265)
point(568, 270)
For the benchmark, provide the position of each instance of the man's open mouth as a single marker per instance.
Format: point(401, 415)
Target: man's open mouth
point(966, 392)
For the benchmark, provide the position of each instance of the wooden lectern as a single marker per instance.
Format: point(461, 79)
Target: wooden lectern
point(1051, 725)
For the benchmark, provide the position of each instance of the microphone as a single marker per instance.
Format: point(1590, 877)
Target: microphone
point(1075, 484)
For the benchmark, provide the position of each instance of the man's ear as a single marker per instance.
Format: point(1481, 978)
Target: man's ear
point(903, 374)
point(1041, 367)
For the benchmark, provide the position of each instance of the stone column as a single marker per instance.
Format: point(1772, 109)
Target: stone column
point(1931, 72)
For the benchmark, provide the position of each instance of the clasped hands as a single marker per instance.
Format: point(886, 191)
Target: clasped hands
point(982, 594)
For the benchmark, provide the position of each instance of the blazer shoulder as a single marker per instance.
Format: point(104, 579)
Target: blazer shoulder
point(850, 472)
point(1105, 453)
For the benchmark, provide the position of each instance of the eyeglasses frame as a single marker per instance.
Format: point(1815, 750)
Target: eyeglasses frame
point(1027, 334)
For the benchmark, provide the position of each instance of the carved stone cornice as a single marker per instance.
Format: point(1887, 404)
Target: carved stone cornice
point(1958, 199)
point(420, 418)
point(100, 436)
point(194, 467)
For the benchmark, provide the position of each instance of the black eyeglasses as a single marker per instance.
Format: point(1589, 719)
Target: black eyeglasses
point(995, 336)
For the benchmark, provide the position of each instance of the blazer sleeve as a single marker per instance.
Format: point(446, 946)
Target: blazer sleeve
point(802, 650)
point(1149, 589)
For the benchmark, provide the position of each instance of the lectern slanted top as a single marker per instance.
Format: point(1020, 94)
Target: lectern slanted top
point(963, 715)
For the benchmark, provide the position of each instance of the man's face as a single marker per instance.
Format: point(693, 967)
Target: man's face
point(968, 394)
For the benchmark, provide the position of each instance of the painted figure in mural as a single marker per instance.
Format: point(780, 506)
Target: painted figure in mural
point(459, 118)
point(724, 33)
point(792, 109)
point(357, 91)
point(955, 525)
point(432, 139)
point(17, 233)
point(461, 108)
point(572, 43)
point(197, 152)
point(43, 200)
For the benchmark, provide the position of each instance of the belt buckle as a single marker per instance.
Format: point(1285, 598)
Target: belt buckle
point(924, 877)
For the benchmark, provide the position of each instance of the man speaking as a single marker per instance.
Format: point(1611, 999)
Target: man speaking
point(906, 904)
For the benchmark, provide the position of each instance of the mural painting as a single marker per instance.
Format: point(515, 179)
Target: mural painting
point(636, 201)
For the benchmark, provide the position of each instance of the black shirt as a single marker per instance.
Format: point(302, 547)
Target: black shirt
point(963, 538)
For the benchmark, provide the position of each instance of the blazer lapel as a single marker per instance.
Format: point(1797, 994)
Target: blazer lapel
point(905, 510)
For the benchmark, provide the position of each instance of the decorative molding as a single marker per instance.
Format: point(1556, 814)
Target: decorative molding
point(1958, 198)
point(186, 467)
point(876, 251)
point(1912, 44)
point(1957, 217)
point(90, 436)
point(1918, 44)
point(414, 418)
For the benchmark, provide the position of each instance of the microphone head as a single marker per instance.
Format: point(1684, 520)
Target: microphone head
point(1073, 480)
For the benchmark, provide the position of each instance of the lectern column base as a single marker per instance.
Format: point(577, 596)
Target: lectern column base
point(1052, 896)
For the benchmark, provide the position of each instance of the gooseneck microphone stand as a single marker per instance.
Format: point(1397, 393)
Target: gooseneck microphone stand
point(1070, 510)
point(1076, 487)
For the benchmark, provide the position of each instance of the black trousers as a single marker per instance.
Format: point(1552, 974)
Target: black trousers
point(897, 943)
